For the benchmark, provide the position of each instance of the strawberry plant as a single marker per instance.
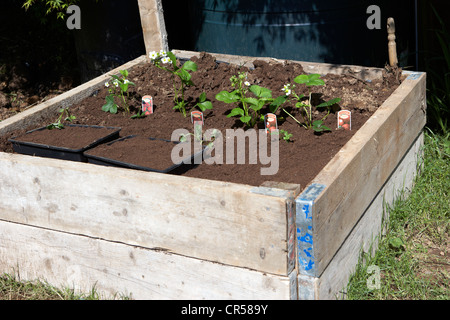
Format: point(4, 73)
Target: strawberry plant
point(118, 89)
point(306, 106)
point(248, 108)
point(162, 58)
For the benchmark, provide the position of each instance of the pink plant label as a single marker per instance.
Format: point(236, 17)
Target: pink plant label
point(147, 105)
point(344, 119)
point(197, 120)
point(270, 122)
point(197, 117)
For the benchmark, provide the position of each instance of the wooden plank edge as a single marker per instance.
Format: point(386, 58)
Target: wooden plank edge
point(271, 256)
point(331, 284)
point(364, 73)
point(306, 255)
point(288, 191)
point(80, 262)
point(66, 99)
point(304, 225)
point(368, 185)
point(332, 175)
point(364, 236)
point(153, 25)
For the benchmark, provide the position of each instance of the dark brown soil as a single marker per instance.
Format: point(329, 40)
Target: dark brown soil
point(77, 137)
point(300, 160)
point(132, 150)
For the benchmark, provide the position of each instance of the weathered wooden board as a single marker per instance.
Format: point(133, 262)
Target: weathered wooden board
point(66, 99)
point(364, 236)
point(153, 26)
point(211, 220)
point(82, 263)
point(363, 73)
point(356, 174)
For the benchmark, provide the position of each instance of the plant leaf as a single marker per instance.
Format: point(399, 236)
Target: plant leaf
point(189, 65)
point(261, 92)
point(258, 106)
point(184, 75)
point(236, 112)
point(319, 127)
point(310, 80)
point(396, 243)
point(252, 101)
point(246, 119)
point(227, 97)
point(173, 59)
point(277, 103)
point(314, 80)
point(110, 105)
point(329, 103)
point(303, 78)
point(205, 105)
point(124, 73)
point(202, 97)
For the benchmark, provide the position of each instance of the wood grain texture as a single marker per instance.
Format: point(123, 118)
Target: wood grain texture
point(364, 73)
point(356, 174)
point(80, 263)
point(364, 236)
point(64, 100)
point(153, 26)
point(211, 220)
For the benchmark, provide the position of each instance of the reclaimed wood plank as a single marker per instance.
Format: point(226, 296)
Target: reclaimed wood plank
point(364, 236)
point(80, 263)
point(205, 219)
point(354, 176)
point(363, 73)
point(153, 26)
point(34, 115)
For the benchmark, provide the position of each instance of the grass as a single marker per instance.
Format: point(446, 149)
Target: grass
point(413, 256)
point(12, 288)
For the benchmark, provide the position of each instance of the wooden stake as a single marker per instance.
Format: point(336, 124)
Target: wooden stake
point(392, 46)
point(153, 25)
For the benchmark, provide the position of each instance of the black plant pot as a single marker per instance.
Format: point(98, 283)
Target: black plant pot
point(185, 164)
point(58, 152)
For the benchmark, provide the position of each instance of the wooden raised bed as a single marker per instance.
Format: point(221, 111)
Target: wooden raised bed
point(154, 236)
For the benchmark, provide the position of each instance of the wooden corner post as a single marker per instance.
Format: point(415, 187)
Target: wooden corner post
point(153, 26)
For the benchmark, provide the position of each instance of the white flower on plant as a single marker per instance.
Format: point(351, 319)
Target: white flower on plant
point(153, 55)
point(247, 83)
point(116, 83)
point(126, 81)
point(162, 53)
point(107, 84)
point(165, 60)
point(287, 89)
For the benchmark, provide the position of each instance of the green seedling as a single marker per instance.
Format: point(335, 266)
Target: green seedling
point(203, 104)
point(58, 123)
point(306, 106)
point(248, 108)
point(162, 58)
point(118, 89)
point(286, 136)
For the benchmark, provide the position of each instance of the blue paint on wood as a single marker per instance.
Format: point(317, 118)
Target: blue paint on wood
point(414, 75)
point(305, 228)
